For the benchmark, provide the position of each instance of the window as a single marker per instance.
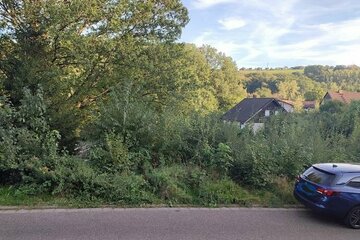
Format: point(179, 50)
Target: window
point(276, 112)
point(319, 177)
point(355, 182)
point(267, 113)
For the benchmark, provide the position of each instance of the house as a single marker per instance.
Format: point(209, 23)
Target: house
point(341, 96)
point(255, 111)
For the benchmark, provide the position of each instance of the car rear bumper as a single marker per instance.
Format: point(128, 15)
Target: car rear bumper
point(309, 204)
point(325, 207)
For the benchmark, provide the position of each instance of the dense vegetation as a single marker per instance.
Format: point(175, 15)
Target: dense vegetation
point(99, 103)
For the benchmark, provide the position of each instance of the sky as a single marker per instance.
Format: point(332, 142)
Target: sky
point(277, 33)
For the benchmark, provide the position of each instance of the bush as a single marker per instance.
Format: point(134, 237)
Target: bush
point(283, 188)
point(111, 155)
point(121, 189)
point(27, 143)
point(254, 164)
point(225, 191)
point(169, 183)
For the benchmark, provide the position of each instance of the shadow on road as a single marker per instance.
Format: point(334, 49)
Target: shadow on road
point(321, 219)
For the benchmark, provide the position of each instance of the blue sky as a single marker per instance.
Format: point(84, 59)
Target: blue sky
point(277, 33)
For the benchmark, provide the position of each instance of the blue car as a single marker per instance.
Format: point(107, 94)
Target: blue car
point(333, 189)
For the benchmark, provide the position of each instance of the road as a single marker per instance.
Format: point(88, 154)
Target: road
point(170, 224)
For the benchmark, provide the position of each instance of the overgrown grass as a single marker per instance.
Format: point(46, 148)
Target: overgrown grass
point(211, 194)
point(10, 196)
point(279, 194)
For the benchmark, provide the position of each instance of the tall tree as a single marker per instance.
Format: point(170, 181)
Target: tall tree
point(289, 90)
point(74, 49)
point(225, 79)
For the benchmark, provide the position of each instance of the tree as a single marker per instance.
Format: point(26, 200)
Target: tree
point(315, 72)
point(332, 107)
point(224, 77)
point(263, 92)
point(289, 90)
point(77, 51)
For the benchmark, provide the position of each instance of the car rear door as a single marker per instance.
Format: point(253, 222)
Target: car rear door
point(311, 181)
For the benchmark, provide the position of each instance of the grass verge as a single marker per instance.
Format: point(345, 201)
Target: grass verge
point(12, 197)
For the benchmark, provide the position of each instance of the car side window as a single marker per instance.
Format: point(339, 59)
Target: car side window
point(355, 182)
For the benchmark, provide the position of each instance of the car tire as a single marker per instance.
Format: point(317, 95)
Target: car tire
point(353, 218)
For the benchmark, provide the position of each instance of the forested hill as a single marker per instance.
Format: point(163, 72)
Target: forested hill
point(301, 82)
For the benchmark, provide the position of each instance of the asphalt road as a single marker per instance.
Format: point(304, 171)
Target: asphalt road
point(170, 224)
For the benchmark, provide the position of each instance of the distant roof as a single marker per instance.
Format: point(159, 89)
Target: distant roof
point(309, 104)
point(247, 108)
point(343, 96)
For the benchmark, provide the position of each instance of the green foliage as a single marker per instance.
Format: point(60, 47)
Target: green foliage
point(287, 84)
point(252, 165)
point(224, 191)
point(111, 156)
point(172, 183)
point(139, 153)
point(11, 196)
point(344, 77)
point(286, 146)
point(222, 159)
point(332, 107)
point(263, 92)
point(77, 52)
point(224, 79)
point(77, 178)
point(288, 90)
point(27, 142)
point(143, 109)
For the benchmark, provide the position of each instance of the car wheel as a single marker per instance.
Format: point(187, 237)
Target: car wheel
point(353, 218)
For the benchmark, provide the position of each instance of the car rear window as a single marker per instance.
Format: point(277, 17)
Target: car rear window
point(319, 177)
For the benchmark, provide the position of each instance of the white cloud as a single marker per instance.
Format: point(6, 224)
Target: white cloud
point(336, 43)
point(329, 43)
point(336, 55)
point(280, 33)
point(232, 23)
point(341, 31)
point(209, 3)
point(224, 46)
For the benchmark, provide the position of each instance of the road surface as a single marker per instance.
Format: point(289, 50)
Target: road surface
point(170, 224)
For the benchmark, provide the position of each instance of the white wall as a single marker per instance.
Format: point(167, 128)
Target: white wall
point(287, 107)
point(255, 126)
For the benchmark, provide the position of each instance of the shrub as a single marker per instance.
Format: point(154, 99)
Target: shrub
point(254, 165)
point(169, 183)
point(223, 191)
point(27, 142)
point(111, 155)
point(132, 189)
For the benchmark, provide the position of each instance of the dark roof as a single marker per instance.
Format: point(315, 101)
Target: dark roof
point(343, 96)
point(338, 167)
point(247, 108)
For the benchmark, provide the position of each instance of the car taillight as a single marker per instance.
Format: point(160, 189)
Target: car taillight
point(326, 192)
